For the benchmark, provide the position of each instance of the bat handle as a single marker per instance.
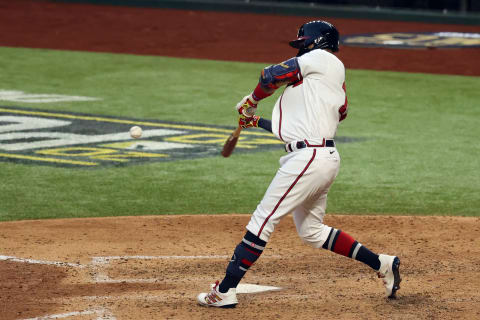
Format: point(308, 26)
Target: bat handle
point(237, 131)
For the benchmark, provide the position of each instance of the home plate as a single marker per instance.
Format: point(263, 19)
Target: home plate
point(254, 288)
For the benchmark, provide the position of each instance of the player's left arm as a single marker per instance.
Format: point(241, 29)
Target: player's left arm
point(255, 121)
point(271, 78)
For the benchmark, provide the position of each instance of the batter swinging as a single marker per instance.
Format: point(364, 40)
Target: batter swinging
point(305, 118)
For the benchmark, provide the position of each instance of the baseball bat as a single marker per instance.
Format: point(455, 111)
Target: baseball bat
point(231, 142)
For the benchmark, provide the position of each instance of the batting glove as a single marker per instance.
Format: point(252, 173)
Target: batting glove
point(247, 107)
point(248, 122)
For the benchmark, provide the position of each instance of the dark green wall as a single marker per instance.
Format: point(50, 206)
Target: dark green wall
point(306, 9)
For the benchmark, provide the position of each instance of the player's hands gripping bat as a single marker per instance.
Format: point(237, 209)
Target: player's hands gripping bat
point(233, 138)
point(251, 122)
point(246, 108)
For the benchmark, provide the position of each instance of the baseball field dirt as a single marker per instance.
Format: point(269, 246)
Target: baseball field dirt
point(214, 35)
point(146, 268)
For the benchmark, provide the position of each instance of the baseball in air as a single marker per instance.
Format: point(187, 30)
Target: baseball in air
point(135, 132)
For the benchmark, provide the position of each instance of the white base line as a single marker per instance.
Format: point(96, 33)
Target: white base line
point(99, 276)
point(243, 288)
point(107, 258)
point(102, 314)
point(33, 261)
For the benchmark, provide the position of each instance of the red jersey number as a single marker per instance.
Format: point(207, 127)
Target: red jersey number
point(343, 110)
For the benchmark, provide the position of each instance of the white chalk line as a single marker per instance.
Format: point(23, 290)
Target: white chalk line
point(99, 276)
point(242, 288)
point(97, 264)
point(100, 259)
point(102, 314)
point(34, 261)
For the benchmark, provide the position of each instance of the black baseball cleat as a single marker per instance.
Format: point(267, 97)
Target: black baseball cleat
point(390, 272)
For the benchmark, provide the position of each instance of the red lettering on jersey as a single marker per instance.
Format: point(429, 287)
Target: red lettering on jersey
point(280, 120)
point(343, 110)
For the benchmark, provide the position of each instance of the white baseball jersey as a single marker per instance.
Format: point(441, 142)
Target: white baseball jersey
point(310, 110)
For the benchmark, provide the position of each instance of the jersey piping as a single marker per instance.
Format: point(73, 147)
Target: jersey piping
point(280, 118)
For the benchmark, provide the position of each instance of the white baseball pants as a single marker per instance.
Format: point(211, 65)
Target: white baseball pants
point(300, 187)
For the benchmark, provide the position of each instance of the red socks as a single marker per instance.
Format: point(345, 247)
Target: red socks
point(342, 243)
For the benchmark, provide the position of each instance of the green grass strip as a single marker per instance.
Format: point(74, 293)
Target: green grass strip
point(418, 154)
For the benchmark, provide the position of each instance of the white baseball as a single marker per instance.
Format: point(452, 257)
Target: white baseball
point(135, 132)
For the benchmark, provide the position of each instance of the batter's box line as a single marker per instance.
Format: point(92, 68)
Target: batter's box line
point(100, 313)
point(44, 262)
point(98, 263)
point(99, 275)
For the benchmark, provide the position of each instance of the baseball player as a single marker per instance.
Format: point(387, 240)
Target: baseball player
point(305, 118)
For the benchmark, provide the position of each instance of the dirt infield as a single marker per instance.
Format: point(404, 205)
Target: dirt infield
point(152, 267)
point(158, 265)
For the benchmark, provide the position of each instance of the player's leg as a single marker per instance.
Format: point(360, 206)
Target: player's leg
point(299, 176)
point(387, 266)
point(299, 179)
point(309, 223)
point(288, 189)
point(308, 219)
point(246, 253)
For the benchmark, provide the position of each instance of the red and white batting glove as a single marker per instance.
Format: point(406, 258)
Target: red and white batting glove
point(250, 122)
point(247, 107)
